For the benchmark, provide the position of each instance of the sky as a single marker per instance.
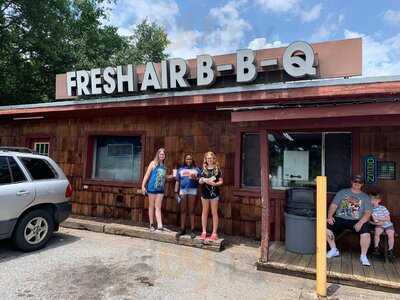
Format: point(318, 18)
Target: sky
point(223, 26)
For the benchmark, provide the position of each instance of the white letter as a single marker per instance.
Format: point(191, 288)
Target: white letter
point(205, 70)
point(164, 74)
point(150, 77)
point(96, 81)
point(108, 76)
point(130, 78)
point(178, 70)
point(71, 82)
point(245, 66)
point(82, 78)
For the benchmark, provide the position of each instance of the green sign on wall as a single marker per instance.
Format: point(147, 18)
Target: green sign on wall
point(370, 169)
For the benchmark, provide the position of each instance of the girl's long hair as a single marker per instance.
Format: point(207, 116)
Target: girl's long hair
point(184, 160)
point(205, 165)
point(157, 158)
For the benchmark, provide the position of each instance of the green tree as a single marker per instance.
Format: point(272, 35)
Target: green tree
point(42, 38)
point(146, 44)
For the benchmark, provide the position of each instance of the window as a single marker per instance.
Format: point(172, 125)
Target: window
point(42, 148)
point(250, 160)
point(117, 158)
point(38, 168)
point(17, 174)
point(296, 159)
point(5, 176)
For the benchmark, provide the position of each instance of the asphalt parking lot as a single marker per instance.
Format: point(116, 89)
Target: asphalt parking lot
point(87, 265)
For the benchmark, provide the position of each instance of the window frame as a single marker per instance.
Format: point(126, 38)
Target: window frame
point(40, 138)
point(88, 158)
point(42, 143)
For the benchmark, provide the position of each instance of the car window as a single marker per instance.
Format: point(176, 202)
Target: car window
point(38, 168)
point(5, 176)
point(17, 174)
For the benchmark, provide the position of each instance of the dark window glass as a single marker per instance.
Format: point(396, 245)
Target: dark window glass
point(117, 158)
point(338, 160)
point(5, 177)
point(17, 174)
point(251, 160)
point(38, 168)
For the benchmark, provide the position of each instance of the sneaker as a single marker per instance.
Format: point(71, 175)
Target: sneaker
point(180, 233)
point(376, 251)
point(203, 236)
point(332, 253)
point(160, 228)
point(391, 255)
point(364, 260)
point(192, 234)
point(152, 227)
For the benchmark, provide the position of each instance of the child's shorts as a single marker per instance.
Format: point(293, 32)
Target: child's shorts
point(191, 192)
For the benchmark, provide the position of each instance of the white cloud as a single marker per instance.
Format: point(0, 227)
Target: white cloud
point(392, 17)
point(311, 15)
point(327, 29)
point(230, 29)
point(226, 34)
point(261, 43)
point(291, 7)
point(379, 57)
point(278, 5)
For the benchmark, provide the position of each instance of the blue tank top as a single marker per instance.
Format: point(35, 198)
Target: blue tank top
point(156, 182)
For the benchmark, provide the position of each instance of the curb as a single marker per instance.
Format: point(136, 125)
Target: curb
point(166, 236)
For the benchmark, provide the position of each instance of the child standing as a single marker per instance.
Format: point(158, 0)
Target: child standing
point(211, 180)
point(154, 184)
point(381, 220)
point(187, 179)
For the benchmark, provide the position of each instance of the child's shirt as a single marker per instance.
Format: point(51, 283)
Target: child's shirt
point(380, 212)
point(183, 175)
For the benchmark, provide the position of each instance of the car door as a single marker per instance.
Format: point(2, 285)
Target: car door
point(16, 191)
point(48, 186)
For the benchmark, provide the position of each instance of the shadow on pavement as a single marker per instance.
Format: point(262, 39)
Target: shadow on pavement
point(8, 252)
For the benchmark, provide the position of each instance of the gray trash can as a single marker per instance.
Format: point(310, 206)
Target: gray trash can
point(300, 234)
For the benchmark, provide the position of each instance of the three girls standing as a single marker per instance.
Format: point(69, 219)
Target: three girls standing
point(188, 176)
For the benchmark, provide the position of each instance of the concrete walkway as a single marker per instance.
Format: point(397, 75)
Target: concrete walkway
point(80, 264)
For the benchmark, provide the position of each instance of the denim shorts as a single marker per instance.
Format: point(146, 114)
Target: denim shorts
point(191, 192)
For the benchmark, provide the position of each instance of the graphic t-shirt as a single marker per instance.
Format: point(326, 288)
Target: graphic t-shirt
point(156, 182)
point(183, 175)
point(209, 191)
point(380, 213)
point(351, 206)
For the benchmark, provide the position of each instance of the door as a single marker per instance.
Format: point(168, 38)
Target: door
point(16, 191)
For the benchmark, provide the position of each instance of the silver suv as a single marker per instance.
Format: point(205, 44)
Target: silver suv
point(34, 199)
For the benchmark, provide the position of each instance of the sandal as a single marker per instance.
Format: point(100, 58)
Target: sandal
point(203, 236)
point(213, 237)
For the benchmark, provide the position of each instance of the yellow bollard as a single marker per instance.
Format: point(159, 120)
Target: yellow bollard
point(321, 236)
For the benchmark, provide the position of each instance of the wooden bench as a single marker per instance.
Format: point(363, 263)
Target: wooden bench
point(383, 243)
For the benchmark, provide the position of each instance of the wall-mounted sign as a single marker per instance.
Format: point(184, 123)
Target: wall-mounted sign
point(370, 169)
point(298, 61)
point(387, 170)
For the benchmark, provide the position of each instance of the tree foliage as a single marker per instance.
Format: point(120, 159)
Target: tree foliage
point(42, 38)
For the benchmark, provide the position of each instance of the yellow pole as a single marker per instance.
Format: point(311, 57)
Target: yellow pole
point(321, 236)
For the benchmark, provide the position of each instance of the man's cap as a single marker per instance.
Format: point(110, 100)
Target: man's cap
point(357, 178)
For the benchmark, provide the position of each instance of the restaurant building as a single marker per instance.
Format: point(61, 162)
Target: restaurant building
point(276, 118)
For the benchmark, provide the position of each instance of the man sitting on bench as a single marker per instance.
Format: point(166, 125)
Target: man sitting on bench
point(353, 211)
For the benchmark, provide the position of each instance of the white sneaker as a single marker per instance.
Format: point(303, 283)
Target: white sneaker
point(332, 253)
point(364, 260)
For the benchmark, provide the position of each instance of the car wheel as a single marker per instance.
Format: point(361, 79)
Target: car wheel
point(34, 230)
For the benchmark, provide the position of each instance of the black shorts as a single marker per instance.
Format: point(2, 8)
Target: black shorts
point(341, 224)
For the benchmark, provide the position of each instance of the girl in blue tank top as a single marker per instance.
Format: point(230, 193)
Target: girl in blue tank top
point(154, 185)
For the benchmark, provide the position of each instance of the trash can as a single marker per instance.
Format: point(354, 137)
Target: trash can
point(300, 220)
point(300, 234)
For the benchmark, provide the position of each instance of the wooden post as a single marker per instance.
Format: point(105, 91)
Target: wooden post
point(264, 162)
point(321, 236)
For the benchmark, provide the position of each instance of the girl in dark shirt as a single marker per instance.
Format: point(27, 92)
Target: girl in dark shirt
point(211, 180)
